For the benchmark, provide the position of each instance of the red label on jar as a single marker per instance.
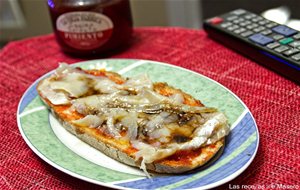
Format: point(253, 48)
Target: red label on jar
point(84, 30)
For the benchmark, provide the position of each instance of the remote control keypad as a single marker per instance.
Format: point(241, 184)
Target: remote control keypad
point(271, 44)
point(280, 38)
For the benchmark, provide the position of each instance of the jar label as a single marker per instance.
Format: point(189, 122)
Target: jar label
point(84, 30)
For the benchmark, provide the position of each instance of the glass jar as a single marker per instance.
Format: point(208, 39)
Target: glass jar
point(91, 27)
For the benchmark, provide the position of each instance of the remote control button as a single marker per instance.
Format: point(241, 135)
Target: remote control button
point(297, 36)
point(250, 27)
point(286, 41)
point(284, 30)
point(281, 49)
point(266, 32)
point(246, 34)
point(277, 37)
point(216, 20)
point(261, 39)
point(296, 57)
point(273, 45)
point(238, 31)
point(225, 24)
point(291, 52)
point(271, 25)
point(238, 12)
point(231, 18)
point(249, 16)
point(245, 23)
point(263, 22)
point(233, 27)
point(259, 29)
point(238, 21)
point(295, 44)
point(256, 19)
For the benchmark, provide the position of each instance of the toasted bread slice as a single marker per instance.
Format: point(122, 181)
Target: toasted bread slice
point(123, 149)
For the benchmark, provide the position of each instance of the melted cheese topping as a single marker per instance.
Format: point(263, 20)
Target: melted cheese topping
point(157, 126)
point(75, 84)
point(55, 97)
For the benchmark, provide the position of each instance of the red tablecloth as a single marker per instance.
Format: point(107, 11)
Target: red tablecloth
point(273, 100)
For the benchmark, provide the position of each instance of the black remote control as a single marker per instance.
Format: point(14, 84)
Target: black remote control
point(269, 43)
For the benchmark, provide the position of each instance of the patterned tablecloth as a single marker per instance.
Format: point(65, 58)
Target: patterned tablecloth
point(273, 100)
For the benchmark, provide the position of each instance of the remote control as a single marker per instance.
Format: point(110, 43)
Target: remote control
point(271, 44)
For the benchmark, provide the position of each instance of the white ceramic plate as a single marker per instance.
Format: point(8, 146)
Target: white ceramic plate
point(46, 137)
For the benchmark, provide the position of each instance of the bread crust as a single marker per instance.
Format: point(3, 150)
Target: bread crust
point(169, 165)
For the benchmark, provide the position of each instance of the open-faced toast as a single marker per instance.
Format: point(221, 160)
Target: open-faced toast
point(140, 123)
